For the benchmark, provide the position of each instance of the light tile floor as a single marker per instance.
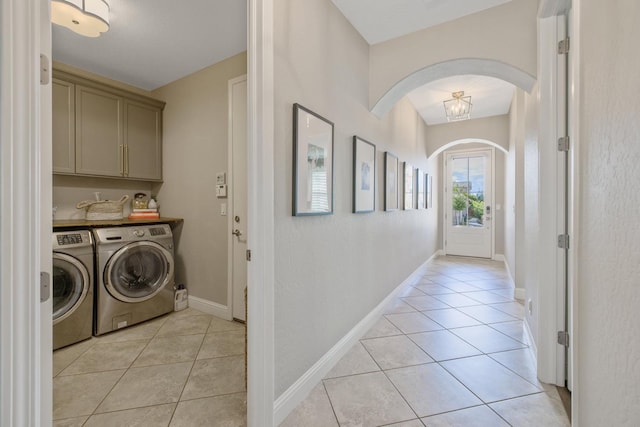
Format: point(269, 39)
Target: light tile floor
point(182, 369)
point(449, 351)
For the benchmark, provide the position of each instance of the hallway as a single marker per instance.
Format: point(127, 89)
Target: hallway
point(449, 351)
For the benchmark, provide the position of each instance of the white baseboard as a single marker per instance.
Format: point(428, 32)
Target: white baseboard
point(518, 293)
point(498, 257)
point(210, 307)
point(506, 266)
point(300, 389)
point(532, 342)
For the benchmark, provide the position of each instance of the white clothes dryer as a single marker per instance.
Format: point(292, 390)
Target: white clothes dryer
point(72, 287)
point(135, 275)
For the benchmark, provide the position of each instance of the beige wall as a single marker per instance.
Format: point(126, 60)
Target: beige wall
point(331, 271)
point(608, 244)
point(69, 190)
point(194, 149)
point(505, 34)
point(531, 210)
point(514, 194)
point(494, 129)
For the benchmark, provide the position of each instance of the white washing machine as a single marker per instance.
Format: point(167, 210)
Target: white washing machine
point(135, 275)
point(72, 287)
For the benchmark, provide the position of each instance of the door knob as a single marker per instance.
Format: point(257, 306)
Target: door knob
point(236, 233)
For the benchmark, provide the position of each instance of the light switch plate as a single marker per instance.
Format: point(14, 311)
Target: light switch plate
point(221, 190)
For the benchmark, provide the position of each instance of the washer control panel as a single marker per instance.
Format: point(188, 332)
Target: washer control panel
point(69, 239)
point(72, 239)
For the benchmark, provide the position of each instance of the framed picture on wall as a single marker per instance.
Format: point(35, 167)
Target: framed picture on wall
point(420, 186)
point(429, 191)
point(312, 163)
point(364, 176)
point(409, 181)
point(390, 182)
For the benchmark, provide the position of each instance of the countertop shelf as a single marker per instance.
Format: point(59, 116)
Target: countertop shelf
point(71, 224)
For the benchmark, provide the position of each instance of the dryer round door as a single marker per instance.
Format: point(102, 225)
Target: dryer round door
point(138, 271)
point(70, 285)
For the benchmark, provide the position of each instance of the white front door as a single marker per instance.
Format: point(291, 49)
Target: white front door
point(468, 207)
point(238, 220)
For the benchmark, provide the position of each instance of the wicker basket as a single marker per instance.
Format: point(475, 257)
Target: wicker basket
point(103, 209)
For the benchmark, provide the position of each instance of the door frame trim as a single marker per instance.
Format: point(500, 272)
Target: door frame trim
point(25, 188)
point(574, 204)
point(491, 149)
point(260, 214)
point(550, 285)
point(231, 192)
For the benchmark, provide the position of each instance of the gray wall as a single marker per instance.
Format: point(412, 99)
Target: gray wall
point(331, 271)
point(195, 147)
point(608, 248)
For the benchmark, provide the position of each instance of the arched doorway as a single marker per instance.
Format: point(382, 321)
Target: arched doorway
point(455, 67)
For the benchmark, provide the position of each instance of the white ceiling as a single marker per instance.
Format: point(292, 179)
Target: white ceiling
point(153, 42)
point(489, 97)
point(381, 20)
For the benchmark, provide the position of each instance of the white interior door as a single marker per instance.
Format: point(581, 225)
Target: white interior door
point(468, 209)
point(238, 218)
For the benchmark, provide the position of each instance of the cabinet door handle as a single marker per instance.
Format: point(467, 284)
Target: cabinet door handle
point(126, 160)
point(121, 160)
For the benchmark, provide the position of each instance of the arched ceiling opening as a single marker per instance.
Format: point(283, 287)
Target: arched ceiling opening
point(456, 67)
point(466, 141)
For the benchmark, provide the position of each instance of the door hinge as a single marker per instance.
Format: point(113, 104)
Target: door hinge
point(563, 338)
point(44, 70)
point(563, 143)
point(248, 254)
point(45, 287)
point(563, 241)
point(563, 46)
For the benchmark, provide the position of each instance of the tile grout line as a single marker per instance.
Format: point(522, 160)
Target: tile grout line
point(438, 362)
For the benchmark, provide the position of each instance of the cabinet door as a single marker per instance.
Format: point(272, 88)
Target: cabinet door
point(143, 141)
point(63, 127)
point(99, 132)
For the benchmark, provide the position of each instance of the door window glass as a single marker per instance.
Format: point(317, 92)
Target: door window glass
point(468, 183)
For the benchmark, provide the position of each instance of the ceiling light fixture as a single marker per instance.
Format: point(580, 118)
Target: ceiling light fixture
point(458, 107)
point(89, 18)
